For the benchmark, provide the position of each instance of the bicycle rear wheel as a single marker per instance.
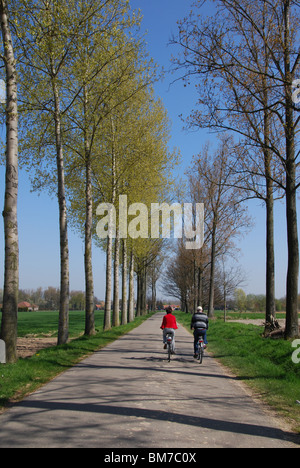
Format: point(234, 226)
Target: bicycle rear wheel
point(200, 354)
point(169, 352)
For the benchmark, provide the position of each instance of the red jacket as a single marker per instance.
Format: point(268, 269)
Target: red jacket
point(169, 321)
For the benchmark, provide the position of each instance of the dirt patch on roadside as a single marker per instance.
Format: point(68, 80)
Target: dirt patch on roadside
point(29, 346)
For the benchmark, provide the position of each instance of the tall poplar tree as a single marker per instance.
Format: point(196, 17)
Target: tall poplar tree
point(114, 69)
point(11, 271)
point(47, 34)
point(104, 61)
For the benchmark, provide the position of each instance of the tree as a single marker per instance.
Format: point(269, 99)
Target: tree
point(136, 164)
point(52, 298)
point(211, 177)
point(125, 314)
point(279, 127)
point(240, 300)
point(55, 44)
point(131, 289)
point(106, 122)
point(247, 57)
point(154, 275)
point(230, 279)
point(46, 36)
point(11, 273)
point(178, 278)
point(105, 63)
point(77, 300)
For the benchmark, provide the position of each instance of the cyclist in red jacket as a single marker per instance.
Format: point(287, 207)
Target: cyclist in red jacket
point(169, 325)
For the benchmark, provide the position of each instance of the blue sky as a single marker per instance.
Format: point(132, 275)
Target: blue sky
point(38, 215)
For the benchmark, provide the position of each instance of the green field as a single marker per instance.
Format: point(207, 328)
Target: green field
point(264, 364)
point(45, 323)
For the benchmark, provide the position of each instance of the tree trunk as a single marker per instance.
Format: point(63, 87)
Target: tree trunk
point(270, 254)
point(88, 266)
point(139, 293)
point(131, 290)
point(212, 270)
point(292, 327)
point(153, 290)
point(107, 311)
point(225, 303)
point(63, 326)
point(124, 283)
point(195, 299)
point(89, 281)
point(200, 286)
point(186, 304)
point(144, 291)
point(116, 306)
point(292, 318)
point(9, 321)
point(270, 257)
point(109, 255)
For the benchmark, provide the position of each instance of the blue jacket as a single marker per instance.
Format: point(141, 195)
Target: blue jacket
point(199, 320)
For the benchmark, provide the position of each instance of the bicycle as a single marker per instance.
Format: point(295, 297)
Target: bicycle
point(170, 345)
point(200, 349)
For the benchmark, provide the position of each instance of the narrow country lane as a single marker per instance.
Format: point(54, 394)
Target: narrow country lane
point(128, 396)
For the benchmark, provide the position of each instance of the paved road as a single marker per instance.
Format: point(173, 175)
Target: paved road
point(128, 396)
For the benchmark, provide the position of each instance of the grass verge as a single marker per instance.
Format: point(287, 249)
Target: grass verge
point(26, 375)
point(265, 365)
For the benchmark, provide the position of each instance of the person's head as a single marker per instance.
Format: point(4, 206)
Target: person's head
point(199, 310)
point(169, 310)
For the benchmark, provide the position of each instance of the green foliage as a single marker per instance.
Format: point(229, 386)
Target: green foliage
point(240, 300)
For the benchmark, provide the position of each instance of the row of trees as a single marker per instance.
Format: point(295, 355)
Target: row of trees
point(245, 60)
point(236, 298)
point(255, 302)
point(90, 129)
point(49, 298)
point(204, 277)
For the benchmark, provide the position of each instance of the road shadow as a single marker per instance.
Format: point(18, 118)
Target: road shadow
point(166, 369)
point(160, 415)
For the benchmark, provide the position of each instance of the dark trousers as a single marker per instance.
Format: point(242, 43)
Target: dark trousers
point(197, 333)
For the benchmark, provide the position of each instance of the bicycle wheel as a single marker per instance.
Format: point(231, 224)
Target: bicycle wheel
point(169, 352)
point(200, 354)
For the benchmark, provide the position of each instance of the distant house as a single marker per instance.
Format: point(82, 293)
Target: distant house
point(174, 306)
point(27, 307)
point(100, 306)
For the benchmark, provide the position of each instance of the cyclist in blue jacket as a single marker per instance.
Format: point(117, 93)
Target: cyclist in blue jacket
point(200, 326)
